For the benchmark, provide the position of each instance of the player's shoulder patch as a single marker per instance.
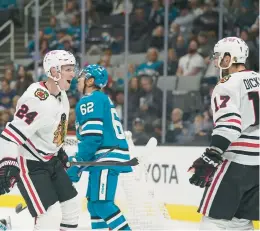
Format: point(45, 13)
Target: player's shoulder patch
point(224, 79)
point(41, 94)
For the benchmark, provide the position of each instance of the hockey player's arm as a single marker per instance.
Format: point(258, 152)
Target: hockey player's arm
point(225, 105)
point(90, 129)
point(28, 118)
point(226, 115)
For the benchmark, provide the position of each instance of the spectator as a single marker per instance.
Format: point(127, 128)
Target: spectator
point(150, 101)
point(200, 137)
point(173, 11)
point(131, 70)
point(208, 121)
point(177, 131)
point(185, 19)
point(180, 46)
point(172, 63)
point(119, 72)
point(255, 27)
point(50, 31)
point(105, 61)
point(191, 64)
point(208, 20)
point(68, 46)
point(6, 95)
point(205, 47)
point(211, 71)
point(246, 16)
point(23, 82)
point(157, 40)
point(138, 32)
point(174, 32)
point(44, 48)
point(152, 61)
point(253, 59)
point(139, 135)
point(65, 17)
point(9, 64)
point(154, 17)
point(75, 28)
point(157, 130)
point(9, 76)
point(119, 7)
point(58, 43)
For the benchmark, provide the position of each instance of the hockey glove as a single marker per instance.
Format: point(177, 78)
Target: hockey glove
point(63, 157)
point(74, 172)
point(9, 174)
point(205, 167)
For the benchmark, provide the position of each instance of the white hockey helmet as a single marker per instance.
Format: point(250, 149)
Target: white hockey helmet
point(235, 47)
point(57, 59)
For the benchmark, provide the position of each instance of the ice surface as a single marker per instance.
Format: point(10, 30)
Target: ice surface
point(23, 221)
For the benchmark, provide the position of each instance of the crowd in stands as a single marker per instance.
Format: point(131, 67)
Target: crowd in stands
point(193, 31)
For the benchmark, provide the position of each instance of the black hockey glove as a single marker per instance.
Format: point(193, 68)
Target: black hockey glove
point(9, 174)
point(205, 167)
point(63, 157)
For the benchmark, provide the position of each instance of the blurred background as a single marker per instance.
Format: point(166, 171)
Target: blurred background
point(157, 53)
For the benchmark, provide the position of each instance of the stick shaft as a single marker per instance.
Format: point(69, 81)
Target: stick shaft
point(132, 162)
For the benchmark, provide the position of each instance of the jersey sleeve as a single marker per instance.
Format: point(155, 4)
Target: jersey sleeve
point(90, 116)
point(225, 104)
point(28, 118)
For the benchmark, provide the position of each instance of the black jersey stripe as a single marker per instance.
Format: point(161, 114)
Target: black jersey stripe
point(229, 127)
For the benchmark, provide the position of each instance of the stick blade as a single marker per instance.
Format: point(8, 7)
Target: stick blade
point(19, 208)
point(152, 143)
point(134, 162)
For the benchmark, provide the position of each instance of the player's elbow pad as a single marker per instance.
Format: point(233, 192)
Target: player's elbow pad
point(88, 147)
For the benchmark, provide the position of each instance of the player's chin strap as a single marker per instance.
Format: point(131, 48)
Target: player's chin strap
point(56, 80)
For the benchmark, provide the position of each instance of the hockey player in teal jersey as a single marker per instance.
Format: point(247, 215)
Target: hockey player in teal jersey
point(101, 137)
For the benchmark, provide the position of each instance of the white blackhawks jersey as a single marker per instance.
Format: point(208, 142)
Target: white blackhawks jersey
point(235, 106)
point(39, 125)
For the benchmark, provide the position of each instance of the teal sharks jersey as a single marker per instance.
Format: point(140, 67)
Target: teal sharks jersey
point(99, 130)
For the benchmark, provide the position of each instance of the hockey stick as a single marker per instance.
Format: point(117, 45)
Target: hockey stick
point(132, 162)
point(19, 208)
point(102, 155)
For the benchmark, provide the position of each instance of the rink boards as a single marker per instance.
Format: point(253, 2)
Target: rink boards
point(167, 173)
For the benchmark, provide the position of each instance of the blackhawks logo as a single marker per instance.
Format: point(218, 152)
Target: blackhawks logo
point(41, 94)
point(61, 131)
point(224, 79)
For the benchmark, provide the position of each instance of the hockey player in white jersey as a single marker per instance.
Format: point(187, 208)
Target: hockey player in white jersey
point(229, 168)
point(31, 147)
